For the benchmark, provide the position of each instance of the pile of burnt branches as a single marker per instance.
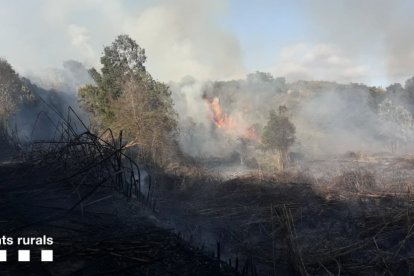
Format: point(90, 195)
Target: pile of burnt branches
point(79, 156)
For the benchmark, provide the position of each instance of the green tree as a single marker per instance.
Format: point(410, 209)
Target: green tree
point(279, 135)
point(13, 93)
point(127, 98)
point(124, 55)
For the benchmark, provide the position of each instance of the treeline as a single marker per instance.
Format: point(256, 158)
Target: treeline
point(262, 84)
point(124, 96)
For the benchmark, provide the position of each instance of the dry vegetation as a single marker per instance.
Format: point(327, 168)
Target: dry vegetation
point(278, 218)
point(292, 223)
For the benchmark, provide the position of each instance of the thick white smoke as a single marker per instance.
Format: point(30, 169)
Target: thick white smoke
point(180, 37)
point(368, 42)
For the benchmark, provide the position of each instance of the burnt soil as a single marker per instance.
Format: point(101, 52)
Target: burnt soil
point(105, 235)
point(291, 227)
point(274, 224)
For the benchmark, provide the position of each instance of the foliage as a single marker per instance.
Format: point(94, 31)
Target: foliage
point(260, 77)
point(395, 88)
point(265, 83)
point(409, 85)
point(127, 98)
point(409, 89)
point(279, 133)
point(124, 55)
point(280, 84)
point(13, 93)
point(145, 112)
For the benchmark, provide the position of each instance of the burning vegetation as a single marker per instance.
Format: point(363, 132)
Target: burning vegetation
point(216, 115)
point(252, 133)
point(245, 177)
point(229, 124)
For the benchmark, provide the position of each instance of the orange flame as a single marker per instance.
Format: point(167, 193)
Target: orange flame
point(252, 135)
point(222, 121)
point(227, 123)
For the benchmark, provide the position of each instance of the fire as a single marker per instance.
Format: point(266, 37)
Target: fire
point(252, 135)
point(216, 115)
point(227, 123)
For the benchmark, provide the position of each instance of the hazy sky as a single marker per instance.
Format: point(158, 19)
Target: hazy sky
point(368, 41)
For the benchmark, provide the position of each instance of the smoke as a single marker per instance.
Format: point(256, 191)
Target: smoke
point(367, 42)
point(68, 78)
point(378, 32)
point(329, 117)
point(180, 37)
point(345, 116)
point(242, 103)
point(80, 39)
point(54, 90)
point(321, 62)
point(198, 134)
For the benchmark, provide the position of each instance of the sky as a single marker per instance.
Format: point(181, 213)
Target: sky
point(366, 41)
